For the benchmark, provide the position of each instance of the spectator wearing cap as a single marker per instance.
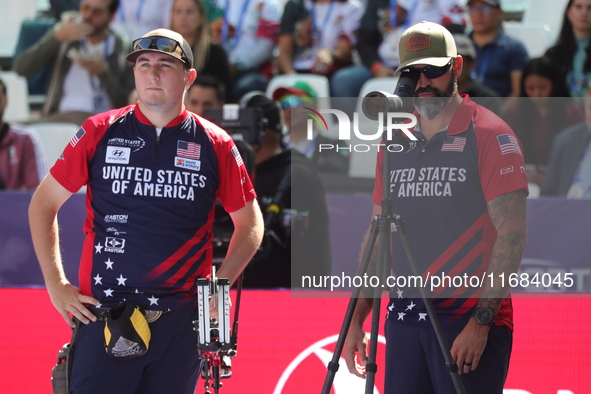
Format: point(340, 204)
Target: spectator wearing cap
point(296, 238)
point(466, 85)
point(90, 73)
point(292, 99)
point(153, 172)
point(499, 58)
point(570, 55)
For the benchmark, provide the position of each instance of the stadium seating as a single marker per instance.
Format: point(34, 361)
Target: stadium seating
point(31, 31)
point(53, 138)
point(12, 14)
point(17, 109)
point(535, 38)
point(547, 14)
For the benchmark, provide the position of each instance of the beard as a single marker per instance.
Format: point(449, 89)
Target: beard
point(430, 107)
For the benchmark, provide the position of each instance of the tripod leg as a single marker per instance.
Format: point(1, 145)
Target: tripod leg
point(451, 365)
point(205, 375)
point(333, 365)
point(382, 269)
point(371, 367)
point(216, 379)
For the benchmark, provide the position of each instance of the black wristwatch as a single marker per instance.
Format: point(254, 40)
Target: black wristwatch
point(484, 316)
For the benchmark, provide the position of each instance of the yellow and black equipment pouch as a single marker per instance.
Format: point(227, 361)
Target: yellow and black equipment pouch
point(127, 333)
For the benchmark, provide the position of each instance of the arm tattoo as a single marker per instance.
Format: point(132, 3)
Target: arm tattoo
point(508, 215)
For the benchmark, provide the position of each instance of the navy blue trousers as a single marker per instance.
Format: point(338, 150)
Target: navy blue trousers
point(171, 364)
point(415, 363)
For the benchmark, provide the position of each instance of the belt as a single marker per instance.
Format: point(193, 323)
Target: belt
point(151, 315)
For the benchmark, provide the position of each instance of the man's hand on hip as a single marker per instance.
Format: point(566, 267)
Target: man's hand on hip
point(69, 300)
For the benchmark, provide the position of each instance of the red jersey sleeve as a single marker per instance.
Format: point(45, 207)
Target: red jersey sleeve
point(500, 159)
point(71, 169)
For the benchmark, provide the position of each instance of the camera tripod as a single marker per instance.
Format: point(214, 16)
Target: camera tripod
point(380, 231)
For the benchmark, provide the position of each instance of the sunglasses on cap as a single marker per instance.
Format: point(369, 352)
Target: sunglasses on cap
point(432, 72)
point(160, 43)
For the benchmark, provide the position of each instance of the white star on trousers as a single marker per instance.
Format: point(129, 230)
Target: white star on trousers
point(153, 300)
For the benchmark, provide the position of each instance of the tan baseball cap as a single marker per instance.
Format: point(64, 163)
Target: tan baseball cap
point(426, 43)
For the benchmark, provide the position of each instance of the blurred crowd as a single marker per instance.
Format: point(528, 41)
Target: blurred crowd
point(78, 63)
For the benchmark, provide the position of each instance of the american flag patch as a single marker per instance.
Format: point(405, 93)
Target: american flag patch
point(453, 144)
point(76, 137)
point(189, 150)
point(509, 144)
point(237, 156)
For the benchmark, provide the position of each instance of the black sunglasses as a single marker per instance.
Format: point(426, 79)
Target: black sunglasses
point(432, 72)
point(163, 44)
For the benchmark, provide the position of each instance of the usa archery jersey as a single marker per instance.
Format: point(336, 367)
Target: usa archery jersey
point(441, 189)
point(150, 204)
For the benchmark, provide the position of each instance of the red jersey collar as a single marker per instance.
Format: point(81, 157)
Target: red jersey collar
point(175, 122)
point(463, 116)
